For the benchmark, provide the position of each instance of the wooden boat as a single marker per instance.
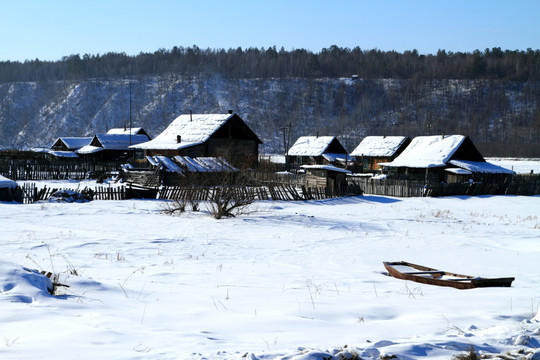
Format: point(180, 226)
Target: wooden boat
point(134, 191)
point(426, 275)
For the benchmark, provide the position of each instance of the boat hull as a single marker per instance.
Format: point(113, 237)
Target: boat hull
point(430, 276)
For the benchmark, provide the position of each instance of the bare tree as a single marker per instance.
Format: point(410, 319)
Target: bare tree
point(229, 200)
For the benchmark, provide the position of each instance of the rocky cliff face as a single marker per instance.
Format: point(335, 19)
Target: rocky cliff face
point(35, 114)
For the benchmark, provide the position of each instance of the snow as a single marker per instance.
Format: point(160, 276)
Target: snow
point(428, 151)
point(310, 145)
point(194, 129)
point(286, 280)
point(458, 171)
point(65, 154)
point(169, 164)
point(7, 183)
point(74, 143)
point(89, 149)
point(112, 142)
point(124, 131)
point(379, 146)
point(327, 167)
point(480, 167)
point(197, 164)
point(332, 157)
point(520, 166)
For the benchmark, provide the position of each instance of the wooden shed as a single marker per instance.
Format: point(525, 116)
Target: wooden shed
point(333, 179)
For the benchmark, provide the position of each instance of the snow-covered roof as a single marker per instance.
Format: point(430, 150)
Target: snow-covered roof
point(205, 164)
point(120, 142)
point(89, 149)
point(458, 171)
point(124, 131)
point(193, 130)
point(168, 164)
point(183, 164)
point(6, 183)
point(310, 145)
point(326, 167)
point(375, 146)
point(112, 142)
point(74, 143)
point(481, 167)
point(428, 151)
point(214, 164)
point(64, 154)
point(336, 157)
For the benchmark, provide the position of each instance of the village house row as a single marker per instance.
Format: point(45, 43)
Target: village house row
point(224, 142)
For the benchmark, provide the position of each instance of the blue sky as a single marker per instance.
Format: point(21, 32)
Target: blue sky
point(48, 30)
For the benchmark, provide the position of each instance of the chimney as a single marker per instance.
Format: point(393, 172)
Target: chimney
point(317, 134)
point(178, 139)
point(230, 112)
point(125, 128)
point(190, 115)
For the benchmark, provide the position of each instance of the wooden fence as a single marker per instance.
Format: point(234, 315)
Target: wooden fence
point(281, 192)
point(516, 185)
point(30, 193)
point(386, 187)
point(52, 171)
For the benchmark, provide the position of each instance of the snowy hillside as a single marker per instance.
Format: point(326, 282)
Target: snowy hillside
point(35, 114)
point(289, 280)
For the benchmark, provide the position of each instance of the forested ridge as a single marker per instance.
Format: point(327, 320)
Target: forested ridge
point(492, 95)
point(495, 63)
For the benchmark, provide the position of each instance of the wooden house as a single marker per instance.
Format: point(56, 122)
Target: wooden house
point(65, 147)
point(111, 147)
point(317, 150)
point(438, 158)
point(374, 150)
point(205, 135)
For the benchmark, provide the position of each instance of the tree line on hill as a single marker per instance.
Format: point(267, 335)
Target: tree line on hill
point(490, 64)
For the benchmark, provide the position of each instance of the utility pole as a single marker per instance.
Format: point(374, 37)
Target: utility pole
point(130, 113)
point(286, 142)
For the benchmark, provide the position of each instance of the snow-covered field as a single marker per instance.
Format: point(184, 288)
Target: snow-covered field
point(520, 166)
point(293, 280)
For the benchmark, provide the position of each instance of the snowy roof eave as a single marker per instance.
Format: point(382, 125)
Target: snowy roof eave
point(64, 154)
point(336, 157)
point(483, 167)
point(89, 149)
point(419, 164)
point(156, 145)
point(458, 171)
point(327, 167)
